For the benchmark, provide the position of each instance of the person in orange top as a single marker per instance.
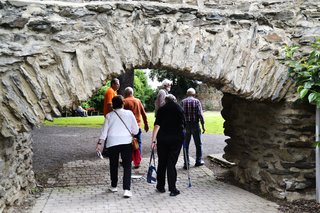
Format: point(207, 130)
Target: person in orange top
point(110, 93)
point(135, 105)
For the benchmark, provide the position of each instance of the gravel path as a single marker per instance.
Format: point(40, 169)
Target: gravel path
point(55, 145)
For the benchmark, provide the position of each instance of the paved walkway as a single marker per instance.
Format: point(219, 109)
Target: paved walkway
point(81, 187)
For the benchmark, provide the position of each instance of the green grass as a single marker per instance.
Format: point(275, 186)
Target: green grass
point(213, 122)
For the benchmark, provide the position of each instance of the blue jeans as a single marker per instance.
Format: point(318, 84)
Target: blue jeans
point(193, 128)
point(138, 136)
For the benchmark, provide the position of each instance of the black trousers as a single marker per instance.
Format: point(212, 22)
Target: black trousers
point(168, 154)
point(126, 152)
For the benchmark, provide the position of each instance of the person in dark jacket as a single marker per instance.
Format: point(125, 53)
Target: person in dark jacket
point(168, 136)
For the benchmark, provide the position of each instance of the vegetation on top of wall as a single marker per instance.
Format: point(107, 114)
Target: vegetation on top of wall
point(304, 68)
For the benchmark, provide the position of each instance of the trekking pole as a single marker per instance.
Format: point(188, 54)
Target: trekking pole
point(187, 163)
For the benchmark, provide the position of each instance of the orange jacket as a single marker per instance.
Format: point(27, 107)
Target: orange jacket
point(135, 105)
point(110, 93)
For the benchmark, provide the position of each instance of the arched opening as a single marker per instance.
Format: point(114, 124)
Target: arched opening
point(48, 64)
point(54, 146)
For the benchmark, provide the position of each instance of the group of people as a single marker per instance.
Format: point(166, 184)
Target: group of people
point(174, 124)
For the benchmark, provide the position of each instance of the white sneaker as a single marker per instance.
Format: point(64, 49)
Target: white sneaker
point(113, 189)
point(127, 193)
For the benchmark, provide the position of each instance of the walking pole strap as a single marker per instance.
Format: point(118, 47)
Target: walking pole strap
point(152, 157)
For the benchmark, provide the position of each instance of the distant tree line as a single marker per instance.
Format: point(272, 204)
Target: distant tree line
point(143, 91)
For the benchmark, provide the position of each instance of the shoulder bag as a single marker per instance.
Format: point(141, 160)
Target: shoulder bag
point(134, 141)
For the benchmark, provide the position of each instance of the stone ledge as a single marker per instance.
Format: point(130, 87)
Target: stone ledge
point(218, 158)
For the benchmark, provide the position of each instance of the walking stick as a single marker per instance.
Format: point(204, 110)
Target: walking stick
point(187, 163)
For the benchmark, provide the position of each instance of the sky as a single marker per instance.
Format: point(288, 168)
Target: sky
point(154, 84)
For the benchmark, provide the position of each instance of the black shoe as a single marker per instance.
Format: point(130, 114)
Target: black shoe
point(174, 192)
point(185, 167)
point(161, 190)
point(199, 163)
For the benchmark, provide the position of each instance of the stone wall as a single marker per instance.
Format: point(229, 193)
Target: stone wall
point(17, 178)
point(56, 53)
point(271, 143)
point(209, 97)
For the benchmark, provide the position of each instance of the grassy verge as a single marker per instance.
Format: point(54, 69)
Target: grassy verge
point(213, 122)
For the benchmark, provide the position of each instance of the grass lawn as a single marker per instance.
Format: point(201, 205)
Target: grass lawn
point(213, 121)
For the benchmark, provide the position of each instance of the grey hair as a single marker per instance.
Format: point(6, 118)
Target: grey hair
point(170, 98)
point(166, 82)
point(128, 91)
point(191, 91)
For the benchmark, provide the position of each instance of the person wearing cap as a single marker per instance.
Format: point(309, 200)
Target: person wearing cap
point(193, 114)
point(160, 100)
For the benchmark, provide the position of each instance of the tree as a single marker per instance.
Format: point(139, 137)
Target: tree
point(96, 101)
point(142, 90)
point(180, 83)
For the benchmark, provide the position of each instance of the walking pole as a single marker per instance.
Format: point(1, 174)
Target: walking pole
point(187, 163)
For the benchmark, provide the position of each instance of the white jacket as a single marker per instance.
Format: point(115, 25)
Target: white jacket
point(114, 130)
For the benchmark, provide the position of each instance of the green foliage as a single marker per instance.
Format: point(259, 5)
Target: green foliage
point(142, 90)
point(180, 83)
point(96, 100)
point(316, 144)
point(213, 122)
point(305, 70)
point(86, 104)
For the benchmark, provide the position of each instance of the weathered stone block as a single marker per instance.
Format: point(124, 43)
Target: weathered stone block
point(13, 22)
point(40, 26)
point(299, 164)
point(68, 50)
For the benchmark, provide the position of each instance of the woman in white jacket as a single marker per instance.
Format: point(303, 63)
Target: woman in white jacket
point(119, 142)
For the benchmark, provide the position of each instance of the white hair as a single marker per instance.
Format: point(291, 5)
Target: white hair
point(128, 91)
point(166, 82)
point(170, 98)
point(191, 91)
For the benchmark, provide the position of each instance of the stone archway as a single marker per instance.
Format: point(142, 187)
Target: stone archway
point(55, 53)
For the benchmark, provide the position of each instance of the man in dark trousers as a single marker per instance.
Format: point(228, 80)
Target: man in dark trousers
point(193, 114)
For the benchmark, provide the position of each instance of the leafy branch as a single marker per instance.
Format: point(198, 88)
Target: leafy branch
point(304, 68)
